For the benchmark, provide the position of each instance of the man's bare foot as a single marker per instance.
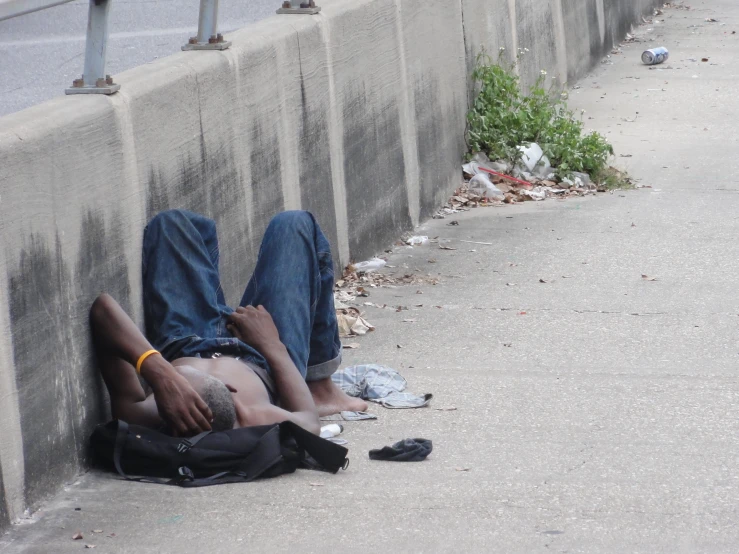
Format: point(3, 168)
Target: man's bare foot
point(330, 399)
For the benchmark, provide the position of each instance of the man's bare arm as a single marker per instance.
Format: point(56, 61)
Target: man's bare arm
point(255, 327)
point(118, 338)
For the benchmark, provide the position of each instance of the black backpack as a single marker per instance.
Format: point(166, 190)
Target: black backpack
point(212, 458)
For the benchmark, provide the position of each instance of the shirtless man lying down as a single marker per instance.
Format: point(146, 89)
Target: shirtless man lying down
point(213, 368)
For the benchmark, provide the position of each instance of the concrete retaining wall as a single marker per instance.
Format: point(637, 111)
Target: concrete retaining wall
point(357, 114)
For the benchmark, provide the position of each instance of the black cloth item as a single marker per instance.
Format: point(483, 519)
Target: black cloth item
point(408, 450)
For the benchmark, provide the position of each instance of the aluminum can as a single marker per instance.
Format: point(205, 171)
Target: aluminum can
point(655, 56)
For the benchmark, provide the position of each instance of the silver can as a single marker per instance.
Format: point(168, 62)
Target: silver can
point(655, 56)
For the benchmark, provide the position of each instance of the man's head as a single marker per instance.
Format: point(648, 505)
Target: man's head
point(215, 394)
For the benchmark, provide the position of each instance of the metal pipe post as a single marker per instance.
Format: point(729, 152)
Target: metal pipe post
point(208, 36)
point(94, 80)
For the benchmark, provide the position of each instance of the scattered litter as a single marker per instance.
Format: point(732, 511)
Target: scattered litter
point(379, 384)
point(417, 240)
point(351, 323)
point(409, 320)
point(316, 484)
point(351, 345)
point(90, 546)
point(398, 346)
point(648, 278)
point(447, 409)
point(444, 247)
point(97, 530)
point(655, 56)
point(543, 281)
point(462, 468)
point(534, 160)
point(482, 186)
point(331, 430)
point(77, 536)
point(370, 265)
point(475, 242)
point(711, 20)
point(454, 223)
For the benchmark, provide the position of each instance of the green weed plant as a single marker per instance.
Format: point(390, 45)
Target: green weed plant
point(503, 118)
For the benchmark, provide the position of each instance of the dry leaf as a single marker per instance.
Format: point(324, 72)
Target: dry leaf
point(648, 278)
point(77, 536)
point(316, 484)
point(507, 344)
point(432, 261)
point(398, 346)
point(409, 320)
point(89, 546)
point(444, 247)
point(463, 468)
point(543, 281)
point(351, 345)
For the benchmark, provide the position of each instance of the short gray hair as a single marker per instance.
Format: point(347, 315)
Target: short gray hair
point(218, 398)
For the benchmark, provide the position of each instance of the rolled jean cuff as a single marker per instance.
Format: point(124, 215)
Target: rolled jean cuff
point(323, 370)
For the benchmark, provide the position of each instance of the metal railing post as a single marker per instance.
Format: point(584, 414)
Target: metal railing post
point(208, 36)
point(94, 80)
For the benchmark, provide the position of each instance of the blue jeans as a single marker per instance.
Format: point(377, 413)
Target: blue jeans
point(185, 310)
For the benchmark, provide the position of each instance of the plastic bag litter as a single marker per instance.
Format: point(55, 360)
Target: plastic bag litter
point(370, 265)
point(480, 184)
point(473, 168)
point(534, 161)
point(417, 240)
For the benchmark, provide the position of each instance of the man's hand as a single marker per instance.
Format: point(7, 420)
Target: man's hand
point(180, 406)
point(254, 326)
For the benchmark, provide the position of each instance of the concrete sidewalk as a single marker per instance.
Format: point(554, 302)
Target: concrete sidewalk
point(596, 412)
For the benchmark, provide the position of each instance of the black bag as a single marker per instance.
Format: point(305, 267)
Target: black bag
point(212, 458)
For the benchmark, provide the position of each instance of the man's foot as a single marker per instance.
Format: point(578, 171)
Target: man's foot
point(330, 399)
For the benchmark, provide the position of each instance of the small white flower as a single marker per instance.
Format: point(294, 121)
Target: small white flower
point(543, 72)
point(502, 48)
point(526, 49)
point(582, 111)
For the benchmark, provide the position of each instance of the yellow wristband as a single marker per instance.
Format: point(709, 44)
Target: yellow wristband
point(142, 359)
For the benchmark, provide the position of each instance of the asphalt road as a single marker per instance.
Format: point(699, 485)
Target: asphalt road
point(595, 412)
point(41, 53)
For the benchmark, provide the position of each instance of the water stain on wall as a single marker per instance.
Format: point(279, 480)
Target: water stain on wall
point(374, 172)
point(60, 394)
